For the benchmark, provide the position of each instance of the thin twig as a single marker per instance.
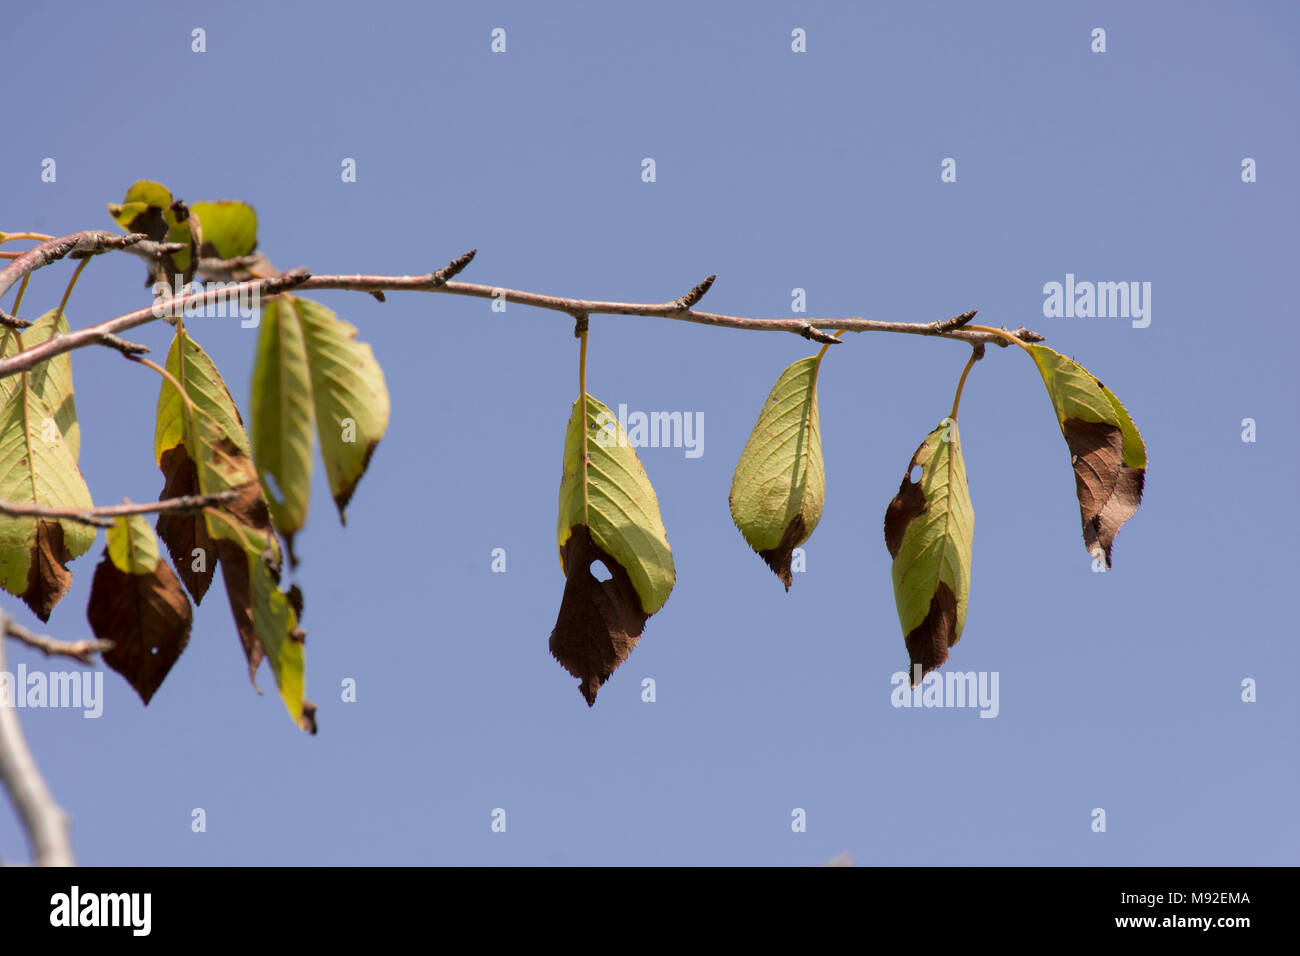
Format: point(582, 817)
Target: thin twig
point(83, 650)
point(43, 819)
point(102, 517)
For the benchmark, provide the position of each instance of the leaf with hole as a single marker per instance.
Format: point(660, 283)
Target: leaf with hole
point(929, 532)
point(608, 513)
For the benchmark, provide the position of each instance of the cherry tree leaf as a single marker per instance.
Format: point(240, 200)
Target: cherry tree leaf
point(779, 485)
point(39, 445)
point(203, 450)
point(313, 379)
point(929, 532)
point(229, 228)
point(137, 603)
point(608, 513)
point(1106, 449)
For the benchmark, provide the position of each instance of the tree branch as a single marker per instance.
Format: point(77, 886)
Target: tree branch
point(45, 822)
point(87, 243)
point(102, 517)
point(83, 650)
point(680, 309)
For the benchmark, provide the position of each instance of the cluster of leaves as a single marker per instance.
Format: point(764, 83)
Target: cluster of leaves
point(608, 511)
point(311, 380)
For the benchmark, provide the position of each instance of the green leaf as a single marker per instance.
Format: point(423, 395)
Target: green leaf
point(282, 416)
point(198, 374)
point(229, 228)
point(312, 373)
point(51, 379)
point(779, 485)
point(39, 444)
point(131, 545)
point(621, 508)
point(1106, 449)
point(609, 514)
point(929, 531)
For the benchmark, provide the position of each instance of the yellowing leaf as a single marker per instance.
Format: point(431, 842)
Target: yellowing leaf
point(149, 208)
point(229, 228)
point(929, 531)
point(779, 485)
point(608, 513)
point(1106, 449)
point(185, 534)
point(39, 443)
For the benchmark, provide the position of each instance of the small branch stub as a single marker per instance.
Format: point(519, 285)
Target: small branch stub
point(453, 268)
point(688, 301)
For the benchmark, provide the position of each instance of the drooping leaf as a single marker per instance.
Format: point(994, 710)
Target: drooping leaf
point(229, 228)
point(266, 617)
point(281, 416)
point(39, 444)
point(1106, 449)
point(779, 484)
point(212, 456)
point(312, 377)
point(608, 513)
point(929, 531)
point(137, 603)
point(186, 535)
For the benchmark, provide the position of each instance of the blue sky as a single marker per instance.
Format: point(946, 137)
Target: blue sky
point(776, 170)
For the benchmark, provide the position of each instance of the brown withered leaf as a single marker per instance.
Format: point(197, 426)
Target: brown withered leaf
point(928, 643)
point(1106, 448)
point(234, 571)
point(600, 621)
point(48, 577)
point(307, 722)
point(1109, 491)
point(184, 533)
point(148, 619)
point(907, 504)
